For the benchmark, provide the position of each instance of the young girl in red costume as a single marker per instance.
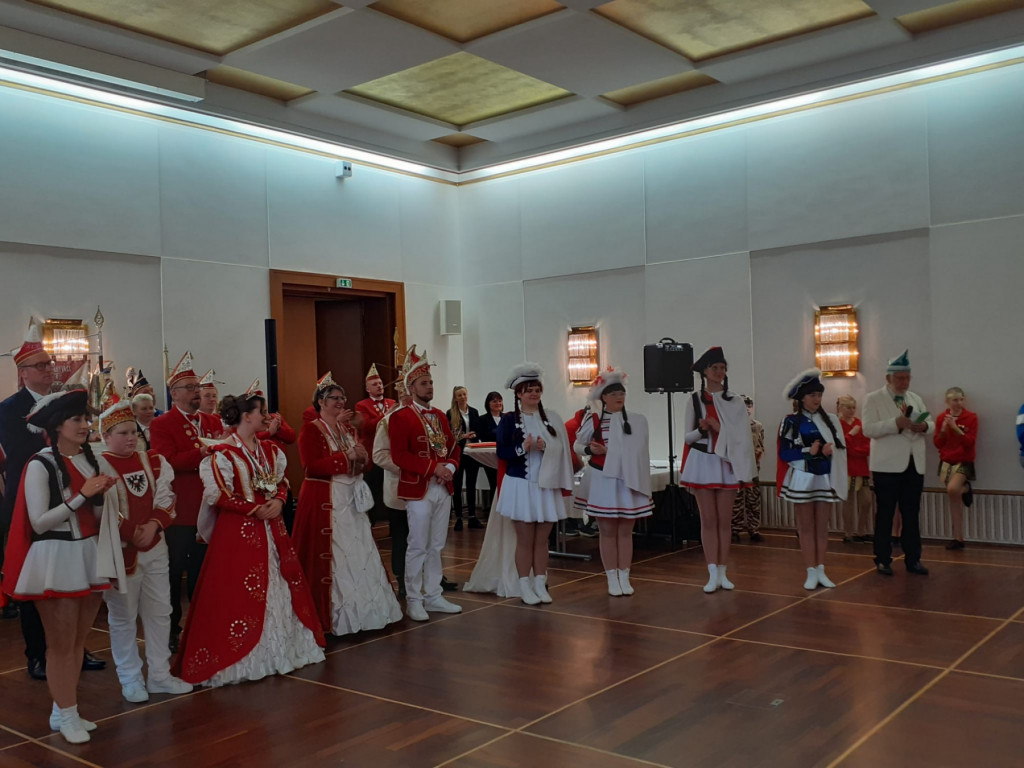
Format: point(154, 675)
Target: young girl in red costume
point(252, 614)
point(718, 459)
point(53, 555)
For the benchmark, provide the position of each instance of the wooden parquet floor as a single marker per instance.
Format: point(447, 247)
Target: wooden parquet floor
point(905, 670)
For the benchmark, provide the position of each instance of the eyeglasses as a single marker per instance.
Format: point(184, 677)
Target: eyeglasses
point(41, 367)
point(187, 387)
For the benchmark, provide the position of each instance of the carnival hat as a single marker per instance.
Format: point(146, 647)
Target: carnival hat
point(415, 366)
point(525, 371)
point(207, 381)
point(136, 381)
point(804, 383)
point(605, 379)
point(32, 351)
point(118, 413)
point(185, 369)
point(372, 373)
point(55, 408)
point(253, 390)
point(709, 358)
point(901, 363)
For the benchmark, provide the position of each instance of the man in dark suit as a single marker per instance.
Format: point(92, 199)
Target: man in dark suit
point(35, 376)
point(177, 436)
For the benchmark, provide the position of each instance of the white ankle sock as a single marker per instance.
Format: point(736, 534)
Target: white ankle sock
point(627, 588)
point(712, 584)
point(526, 591)
point(540, 588)
point(55, 720)
point(812, 578)
point(614, 587)
point(71, 727)
point(723, 580)
point(824, 580)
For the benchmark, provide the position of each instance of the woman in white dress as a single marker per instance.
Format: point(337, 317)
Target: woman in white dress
point(252, 614)
point(718, 459)
point(538, 469)
point(811, 449)
point(616, 487)
point(333, 535)
point(53, 554)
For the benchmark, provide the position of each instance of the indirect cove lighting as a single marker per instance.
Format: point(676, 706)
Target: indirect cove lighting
point(835, 340)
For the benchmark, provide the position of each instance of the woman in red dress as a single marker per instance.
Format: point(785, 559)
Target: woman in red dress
point(252, 613)
point(53, 555)
point(956, 434)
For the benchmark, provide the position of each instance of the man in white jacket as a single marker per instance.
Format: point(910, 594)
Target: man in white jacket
point(897, 422)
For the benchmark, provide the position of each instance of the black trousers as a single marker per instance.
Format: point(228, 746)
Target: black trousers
point(32, 631)
point(186, 556)
point(398, 527)
point(902, 489)
point(467, 470)
point(375, 480)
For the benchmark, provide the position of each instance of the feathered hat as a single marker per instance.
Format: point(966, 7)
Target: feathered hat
point(55, 408)
point(525, 371)
point(804, 383)
point(899, 364)
point(185, 369)
point(415, 366)
point(604, 380)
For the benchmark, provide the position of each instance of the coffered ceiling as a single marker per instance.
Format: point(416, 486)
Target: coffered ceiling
point(461, 84)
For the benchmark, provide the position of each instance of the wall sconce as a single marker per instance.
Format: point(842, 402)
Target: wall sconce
point(835, 340)
point(67, 342)
point(583, 355)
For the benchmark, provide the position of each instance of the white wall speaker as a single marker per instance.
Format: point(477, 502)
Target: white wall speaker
point(451, 317)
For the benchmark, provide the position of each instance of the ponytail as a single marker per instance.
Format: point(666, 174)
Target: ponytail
point(626, 428)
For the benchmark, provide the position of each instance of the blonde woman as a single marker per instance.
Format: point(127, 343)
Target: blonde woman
point(464, 421)
point(857, 509)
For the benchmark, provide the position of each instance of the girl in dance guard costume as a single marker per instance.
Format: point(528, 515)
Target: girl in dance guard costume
point(718, 459)
point(333, 536)
point(616, 487)
point(54, 554)
point(814, 459)
point(537, 474)
point(145, 508)
point(252, 614)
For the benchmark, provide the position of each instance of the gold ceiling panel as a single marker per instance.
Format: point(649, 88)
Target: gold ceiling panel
point(655, 89)
point(955, 13)
point(459, 89)
point(459, 140)
point(700, 29)
point(214, 26)
point(250, 81)
point(465, 20)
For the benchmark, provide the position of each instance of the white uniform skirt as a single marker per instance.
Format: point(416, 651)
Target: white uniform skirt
point(527, 502)
point(602, 496)
point(707, 470)
point(55, 568)
point(801, 487)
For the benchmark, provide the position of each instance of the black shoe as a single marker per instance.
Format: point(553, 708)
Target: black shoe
point(458, 524)
point(917, 568)
point(401, 590)
point(735, 538)
point(896, 542)
point(475, 523)
point(884, 568)
point(955, 544)
point(91, 664)
point(37, 669)
point(174, 642)
point(449, 586)
point(571, 533)
point(10, 611)
point(589, 531)
point(865, 539)
point(849, 539)
point(756, 537)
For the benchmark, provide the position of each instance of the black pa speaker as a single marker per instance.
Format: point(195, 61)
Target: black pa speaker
point(668, 367)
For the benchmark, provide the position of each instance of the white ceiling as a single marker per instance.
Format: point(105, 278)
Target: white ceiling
point(574, 49)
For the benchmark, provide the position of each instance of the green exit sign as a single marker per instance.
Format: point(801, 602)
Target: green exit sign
point(343, 282)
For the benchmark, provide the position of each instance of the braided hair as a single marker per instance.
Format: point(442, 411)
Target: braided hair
point(705, 397)
point(611, 388)
point(62, 468)
point(798, 405)
point(520, 388)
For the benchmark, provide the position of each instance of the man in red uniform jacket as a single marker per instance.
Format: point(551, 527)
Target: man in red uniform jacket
point(424, 450)
point(369, 412)
point(177, 437)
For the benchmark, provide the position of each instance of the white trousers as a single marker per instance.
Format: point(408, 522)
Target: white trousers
point(148, 596)
point(428, 532)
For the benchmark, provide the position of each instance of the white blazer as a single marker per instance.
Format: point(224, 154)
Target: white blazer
point(891, 449)
point(382, 458)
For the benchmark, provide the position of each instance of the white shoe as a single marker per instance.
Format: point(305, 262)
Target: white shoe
point(812, 578)
point(627, 588)
point(169, 685)
point(614, 587)
point(723, 580)
point(135, 692)
point(416, 612)
point(75, 733)
point(88, 725)
point(440, 605)
point(824, 580)
point(540, 588)
point(526, 593)
point(712, 584)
